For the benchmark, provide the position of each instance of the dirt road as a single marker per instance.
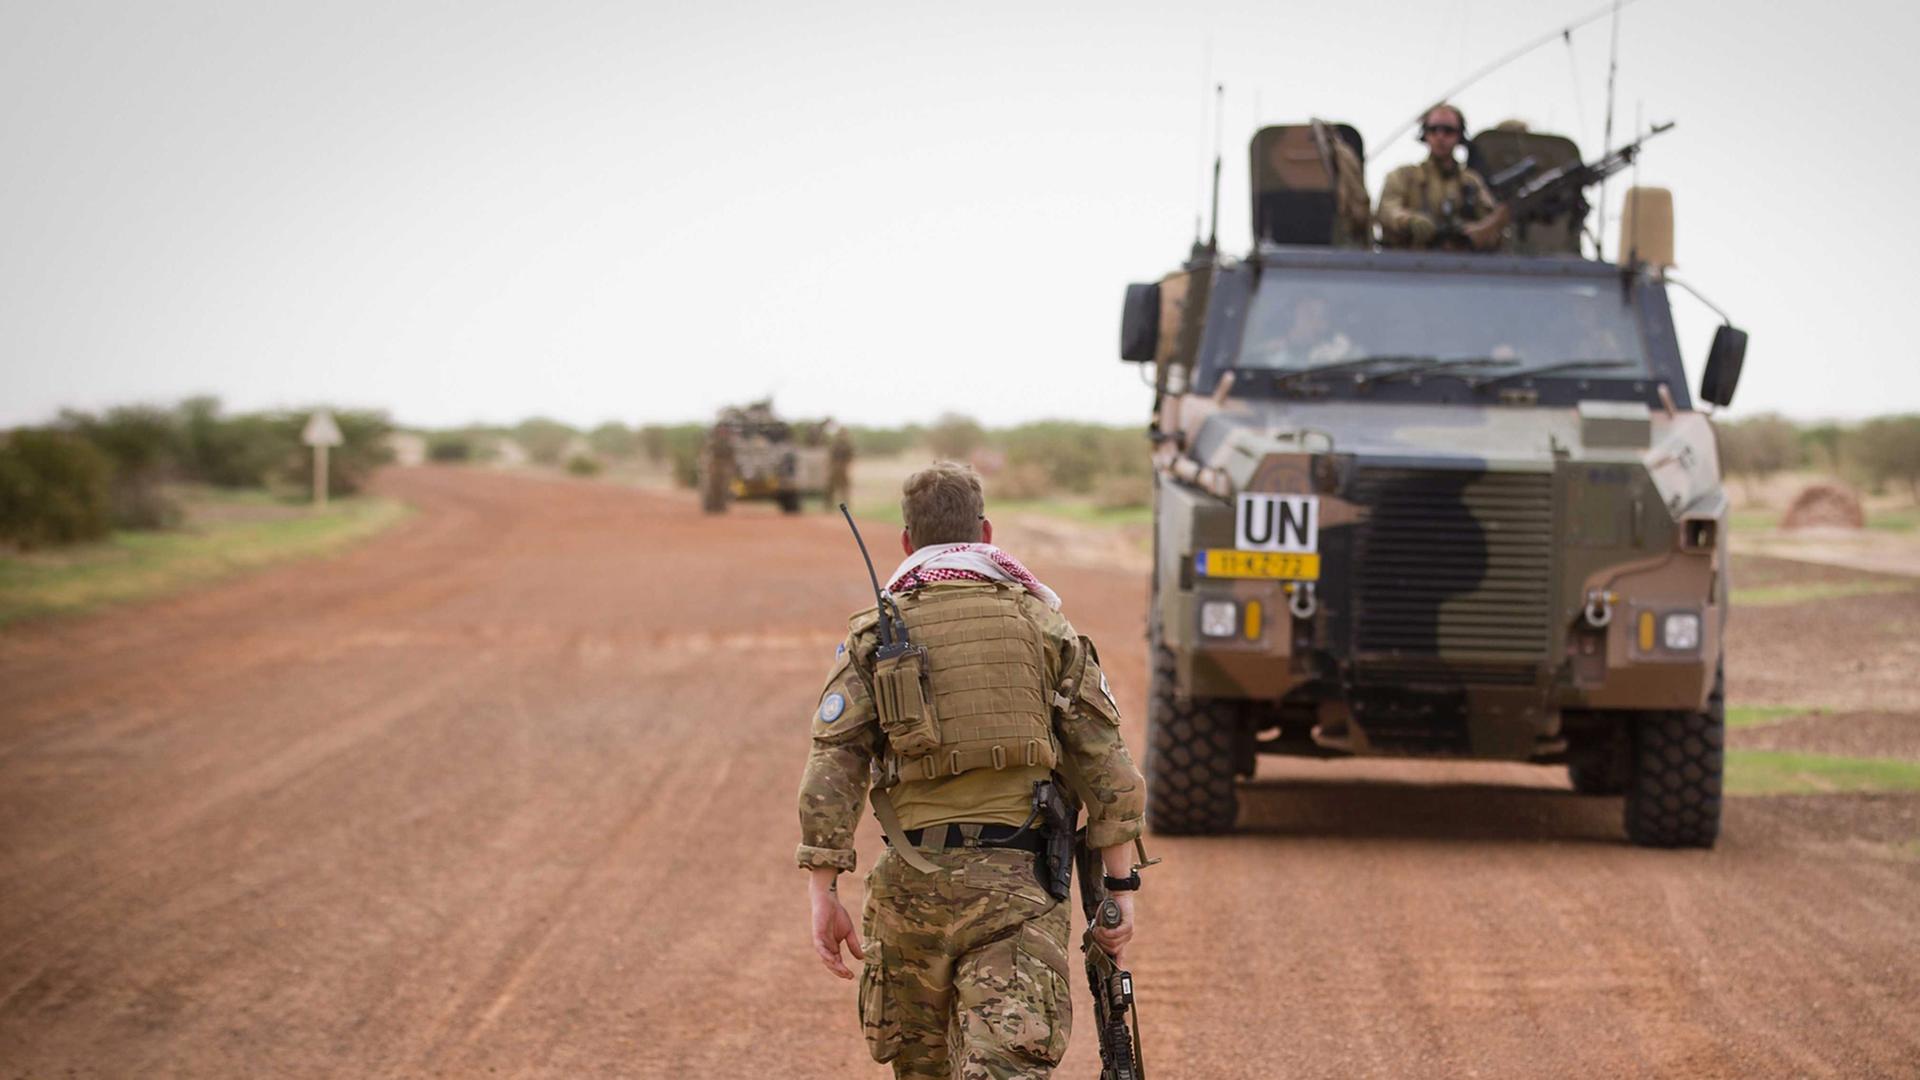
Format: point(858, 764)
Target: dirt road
point(509, 792)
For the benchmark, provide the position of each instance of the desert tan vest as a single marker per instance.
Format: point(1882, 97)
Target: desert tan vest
point(986, 687)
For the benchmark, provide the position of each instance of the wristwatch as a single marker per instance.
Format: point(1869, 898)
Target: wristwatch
point(1130, 883)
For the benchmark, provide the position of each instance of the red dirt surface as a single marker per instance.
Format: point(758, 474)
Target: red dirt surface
point(509, 792)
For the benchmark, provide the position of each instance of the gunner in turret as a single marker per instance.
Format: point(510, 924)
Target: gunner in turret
point(1438, 203)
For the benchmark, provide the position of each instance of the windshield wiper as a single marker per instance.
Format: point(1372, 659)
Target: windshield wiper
point(1557, 365)
point(1422, 365)
point(1281, 378)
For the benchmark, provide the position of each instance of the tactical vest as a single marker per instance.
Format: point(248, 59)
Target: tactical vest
point(1433, 189)
point(979, 700)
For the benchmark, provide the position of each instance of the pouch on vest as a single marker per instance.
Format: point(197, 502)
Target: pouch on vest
point(904, 702)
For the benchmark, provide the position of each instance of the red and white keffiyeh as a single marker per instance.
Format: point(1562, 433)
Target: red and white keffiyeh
point(968, 562)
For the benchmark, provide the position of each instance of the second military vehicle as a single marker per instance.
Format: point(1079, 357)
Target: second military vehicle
point(1433, 504)
point(752, 454)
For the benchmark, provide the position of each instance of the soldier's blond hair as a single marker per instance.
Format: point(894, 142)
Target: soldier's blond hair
point(942, 504)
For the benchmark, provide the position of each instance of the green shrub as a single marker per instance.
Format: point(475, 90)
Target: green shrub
point(450, 448)
point(54, 489)
point(145, 446)
point(545, 441)
point(954, 437)
point(886, 442)
point(238, 451)
point(614, 440)
point(583, 465)
point(1757, 448)
point(1888, 448)
point(1076, 456)
point(677, 446)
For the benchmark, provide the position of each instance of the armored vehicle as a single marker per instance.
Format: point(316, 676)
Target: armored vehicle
point(1431, 504)
point(752, 454)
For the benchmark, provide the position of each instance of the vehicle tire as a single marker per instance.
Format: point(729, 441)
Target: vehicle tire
point(1190, 757)
point(1601, 764)
point(1678, 762)
point(789, 502)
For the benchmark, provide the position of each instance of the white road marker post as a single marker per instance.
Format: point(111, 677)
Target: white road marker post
point(320, 434)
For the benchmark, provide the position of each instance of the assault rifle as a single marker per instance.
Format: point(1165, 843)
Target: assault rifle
point(1116, 1021)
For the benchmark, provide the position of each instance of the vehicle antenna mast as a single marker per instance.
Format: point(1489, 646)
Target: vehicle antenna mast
point(1199, 178)
point(1448, 94)
point(1606, 138)
point(1219, 97)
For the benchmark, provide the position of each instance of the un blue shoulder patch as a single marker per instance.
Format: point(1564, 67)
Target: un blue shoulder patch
point(832, 707)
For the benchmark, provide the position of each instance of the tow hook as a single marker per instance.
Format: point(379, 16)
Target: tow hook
point(1599, 608)
point(1301, 600)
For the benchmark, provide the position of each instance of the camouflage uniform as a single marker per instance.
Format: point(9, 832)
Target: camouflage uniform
point(966, 969)
point(1430, 188)
point(839, 468)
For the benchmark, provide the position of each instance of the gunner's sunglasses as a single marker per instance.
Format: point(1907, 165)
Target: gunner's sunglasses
point(1441, 129)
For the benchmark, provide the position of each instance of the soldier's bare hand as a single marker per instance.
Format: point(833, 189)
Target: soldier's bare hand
point(831, 926)
point(1114, 941)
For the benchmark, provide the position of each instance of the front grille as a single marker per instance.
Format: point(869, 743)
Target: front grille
point(1453, 567)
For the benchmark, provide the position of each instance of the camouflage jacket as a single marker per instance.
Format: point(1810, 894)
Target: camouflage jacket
point(847, 744)
point(1424, 189)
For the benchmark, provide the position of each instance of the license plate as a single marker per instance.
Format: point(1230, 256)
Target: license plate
point(1221, 562)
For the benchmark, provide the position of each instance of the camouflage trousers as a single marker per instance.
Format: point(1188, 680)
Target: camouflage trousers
point(966, 972)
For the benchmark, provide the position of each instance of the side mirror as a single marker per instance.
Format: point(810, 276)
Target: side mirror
point(1140, 324)
point(1724, 359)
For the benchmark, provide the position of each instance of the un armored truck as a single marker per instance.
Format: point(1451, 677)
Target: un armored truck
point(751, 454)
point(1430, 504)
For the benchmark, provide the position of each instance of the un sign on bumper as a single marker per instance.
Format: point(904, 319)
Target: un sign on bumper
point(1288, 523)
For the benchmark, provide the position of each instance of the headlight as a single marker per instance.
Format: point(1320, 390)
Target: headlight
point(1219, 618)
point(1680, 631)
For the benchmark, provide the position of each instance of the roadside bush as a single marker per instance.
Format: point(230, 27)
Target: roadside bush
point(145, 446)
point(954, 437)
point(1117, 491)
point(1759, 447)
point(1077, 456)
point(886, 442)
point(54, 489)
point(676, 446)
point(583, 465)
point(614, 440)
point(545, 441)
point(450, 448)
point(1018, 483)
point(236, 451)
point(1888, 448)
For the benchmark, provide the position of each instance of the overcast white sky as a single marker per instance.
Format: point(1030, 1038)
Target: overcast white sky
point(640, 212)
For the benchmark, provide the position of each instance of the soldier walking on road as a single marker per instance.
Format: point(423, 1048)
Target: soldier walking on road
point(1438, 202)
point(839, 467)
point(965, 949)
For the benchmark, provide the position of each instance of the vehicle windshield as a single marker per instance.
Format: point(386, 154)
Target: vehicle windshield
point(1464, 324)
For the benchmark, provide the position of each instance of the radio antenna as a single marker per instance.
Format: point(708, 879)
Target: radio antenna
point(1448, 94)
point(1219, 121)
point(1606, 138)
point(1200, 177)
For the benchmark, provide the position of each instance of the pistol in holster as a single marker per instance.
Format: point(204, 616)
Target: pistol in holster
point(1056, 812)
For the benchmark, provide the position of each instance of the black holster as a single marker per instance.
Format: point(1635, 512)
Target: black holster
point(1054, 865)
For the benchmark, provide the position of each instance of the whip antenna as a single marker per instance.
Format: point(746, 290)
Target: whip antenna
point(1219, 121)
point(1606, 138)
point(1564, 31)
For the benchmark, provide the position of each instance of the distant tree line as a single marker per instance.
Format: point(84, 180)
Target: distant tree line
point(86, 474)
point(1877, 453)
